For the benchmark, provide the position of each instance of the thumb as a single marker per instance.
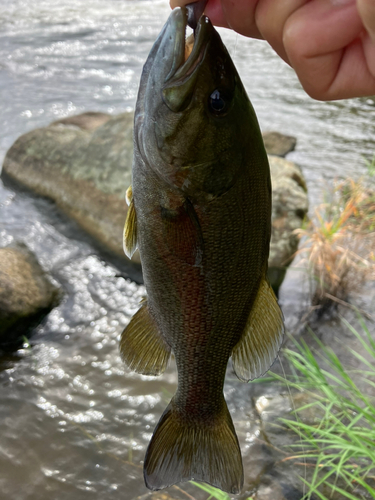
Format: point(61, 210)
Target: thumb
point(366, 9)
point(177, 3)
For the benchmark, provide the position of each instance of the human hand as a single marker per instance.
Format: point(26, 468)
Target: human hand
point(329, 43)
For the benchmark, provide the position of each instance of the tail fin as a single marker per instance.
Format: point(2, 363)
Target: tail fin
point(181, 450)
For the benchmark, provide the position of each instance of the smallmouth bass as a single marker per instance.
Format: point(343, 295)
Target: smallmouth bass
point(200, 214)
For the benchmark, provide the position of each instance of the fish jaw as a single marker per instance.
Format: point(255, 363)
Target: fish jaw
point(167, 61)
point(167, 86)
point(181, 81)
point(194, 12)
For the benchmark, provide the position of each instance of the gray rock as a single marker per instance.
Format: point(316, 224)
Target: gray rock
point(86, 121)
point(83, 163)
point(289, 208)
point(278, 144)
point(26, 295)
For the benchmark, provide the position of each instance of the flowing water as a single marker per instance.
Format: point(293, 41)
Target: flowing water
point(74, 422)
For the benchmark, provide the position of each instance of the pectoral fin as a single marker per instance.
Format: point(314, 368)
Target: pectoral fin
point(256, 351)
point(130, 229)
point(142, 347)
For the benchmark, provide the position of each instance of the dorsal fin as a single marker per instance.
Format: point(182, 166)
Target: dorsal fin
point(142, 347)
point(253, 355)
point(130, 229)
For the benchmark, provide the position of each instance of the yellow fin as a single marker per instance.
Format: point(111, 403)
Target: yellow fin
point(130, 229)
point(182, 449)
point(129, 195)
point(142, 347)
point(253, 355)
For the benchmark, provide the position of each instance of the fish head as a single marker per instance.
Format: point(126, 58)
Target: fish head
point(194, 111)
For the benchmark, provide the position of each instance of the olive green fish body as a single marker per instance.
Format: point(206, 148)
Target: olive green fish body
point(200, 283)
point(200, 209)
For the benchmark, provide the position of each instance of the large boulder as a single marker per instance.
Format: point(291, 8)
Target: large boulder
point(26, 295)
point(83, 163)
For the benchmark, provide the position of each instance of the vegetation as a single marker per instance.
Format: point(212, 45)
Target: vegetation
point(340, 443)
point(339, 243)
point(370, 164)
point(214, 493)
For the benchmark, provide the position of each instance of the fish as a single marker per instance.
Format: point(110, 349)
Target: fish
point(200, 215)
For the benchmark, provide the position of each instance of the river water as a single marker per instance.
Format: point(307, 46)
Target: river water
point(74, 422)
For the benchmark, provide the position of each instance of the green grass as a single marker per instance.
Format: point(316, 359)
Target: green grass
point(214, 493)
point(370, 164)
point(340, 443)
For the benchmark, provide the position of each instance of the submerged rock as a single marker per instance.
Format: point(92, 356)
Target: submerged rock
point(26, 295)
point(83, 163)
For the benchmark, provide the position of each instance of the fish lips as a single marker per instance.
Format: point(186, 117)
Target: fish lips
point(179, 83)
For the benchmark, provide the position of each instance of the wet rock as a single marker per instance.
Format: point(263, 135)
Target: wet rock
point(289, 208)
point(278, 144)
point(26, 295)
point(83, 163)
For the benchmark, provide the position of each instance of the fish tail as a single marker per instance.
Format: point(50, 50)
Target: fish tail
point(182, 449)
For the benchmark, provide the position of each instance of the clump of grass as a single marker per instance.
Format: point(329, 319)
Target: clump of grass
point(214, 493)
point(341, 443)
point(339, 244)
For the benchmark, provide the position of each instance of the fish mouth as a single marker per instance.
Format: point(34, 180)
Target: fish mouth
point(188, 51)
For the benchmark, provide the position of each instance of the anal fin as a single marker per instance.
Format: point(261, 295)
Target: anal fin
point(253, 355)
point(142, 347)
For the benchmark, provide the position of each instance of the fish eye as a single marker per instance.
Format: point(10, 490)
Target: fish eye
point(217, 102)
